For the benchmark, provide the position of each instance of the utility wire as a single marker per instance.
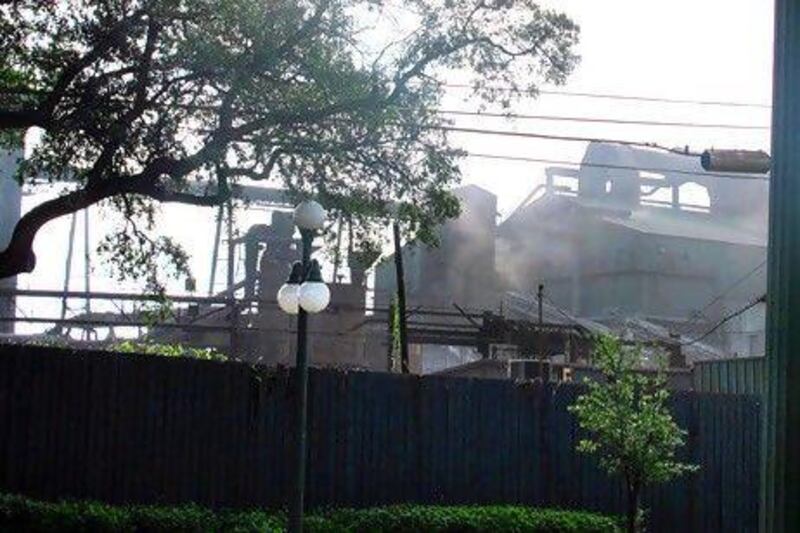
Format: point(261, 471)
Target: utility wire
point(547, 136)
point(726, 319)
point(608, 96)
point(563, 118)
point(727, 291)
point(599, 120)
point(656, 170)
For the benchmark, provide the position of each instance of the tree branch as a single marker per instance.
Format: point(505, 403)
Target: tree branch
point(19, 257)
point(164, 195)
point(73, 69)
point(120, 132)
point(41, 116)
point(20, 119)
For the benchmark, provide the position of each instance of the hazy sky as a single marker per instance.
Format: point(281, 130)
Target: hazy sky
point(698, 50)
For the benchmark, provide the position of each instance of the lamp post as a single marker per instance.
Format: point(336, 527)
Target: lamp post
point(304, 292)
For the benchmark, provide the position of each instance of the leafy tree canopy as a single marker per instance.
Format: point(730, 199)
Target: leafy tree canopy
point(147, 101)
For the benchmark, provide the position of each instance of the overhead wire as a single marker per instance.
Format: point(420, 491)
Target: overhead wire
point(655, 170)
point(600, 120)
point(552, 137)
point(612, 96)
point(727, 318)
point(569, 138)
point(727, 291)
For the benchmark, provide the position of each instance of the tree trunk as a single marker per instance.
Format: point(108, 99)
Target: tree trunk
point(401, 299)
point(633, 489)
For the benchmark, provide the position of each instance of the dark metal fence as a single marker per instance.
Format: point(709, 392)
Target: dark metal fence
point(733, 376)
point(161, 430)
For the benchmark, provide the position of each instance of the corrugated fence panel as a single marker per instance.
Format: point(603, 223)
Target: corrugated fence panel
point(734, 376)
point(161, 430)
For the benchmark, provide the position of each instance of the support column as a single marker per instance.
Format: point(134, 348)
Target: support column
point(780, 501)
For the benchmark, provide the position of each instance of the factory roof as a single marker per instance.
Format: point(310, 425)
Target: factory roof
point(561, 207)
point(688, 225)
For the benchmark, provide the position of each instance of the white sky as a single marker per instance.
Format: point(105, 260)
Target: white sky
point(686, 49)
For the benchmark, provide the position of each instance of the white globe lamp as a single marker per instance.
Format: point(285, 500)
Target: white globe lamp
point(314, 296)
point(289, 293)
point(288, 298)
point(309, 215)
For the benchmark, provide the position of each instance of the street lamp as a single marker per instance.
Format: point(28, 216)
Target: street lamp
point(313, 295)
point(304, 292)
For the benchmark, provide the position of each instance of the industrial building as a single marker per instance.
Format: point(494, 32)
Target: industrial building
point(638, 240)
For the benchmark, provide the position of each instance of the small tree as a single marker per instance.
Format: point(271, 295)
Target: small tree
point(630, 428)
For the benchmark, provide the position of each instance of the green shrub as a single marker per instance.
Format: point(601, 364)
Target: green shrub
point(409, 518)
point(22, 514)
point(167, 350)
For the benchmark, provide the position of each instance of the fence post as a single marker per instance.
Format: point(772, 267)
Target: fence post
point(781, 436)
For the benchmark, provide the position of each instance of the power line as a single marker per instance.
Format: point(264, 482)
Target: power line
point(726, 319)
point(599, 120)
point(547, 136)
point(608, 96)
point(727, 291)
point(566, 118)
point(655, 170)
point(568, 138)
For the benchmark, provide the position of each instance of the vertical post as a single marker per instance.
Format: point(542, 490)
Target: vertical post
point(301, 405)
point(87, 268)
point(541, 350)
point(215, 252)
point(233, 310)
point(539, 297)
point(337, 251)
point(68, 265)
point(390, 327)
point(401, 298)
point(780, 511)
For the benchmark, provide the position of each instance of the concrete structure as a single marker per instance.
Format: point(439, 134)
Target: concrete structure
point(342, 336)
point(654, 256)
point(335, 336)
point(10, 206)
point(460, 269)
point(640, 241)
point(675, 248)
